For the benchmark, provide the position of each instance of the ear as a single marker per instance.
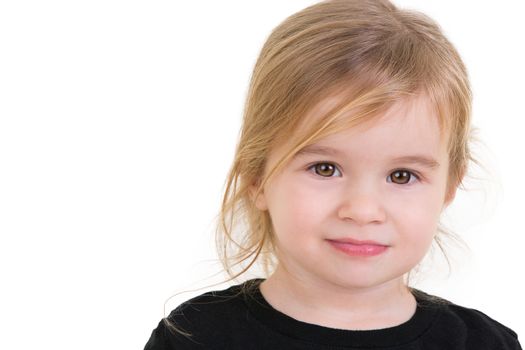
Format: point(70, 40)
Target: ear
point(260, 202)
point(450, 196)
point(452, 191)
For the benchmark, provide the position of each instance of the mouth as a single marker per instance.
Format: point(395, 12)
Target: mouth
point(355, 247)
point(356, 241)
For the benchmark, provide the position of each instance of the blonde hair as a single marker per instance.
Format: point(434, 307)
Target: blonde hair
point(369, 54)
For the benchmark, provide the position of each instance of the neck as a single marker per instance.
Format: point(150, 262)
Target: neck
point(345, 307)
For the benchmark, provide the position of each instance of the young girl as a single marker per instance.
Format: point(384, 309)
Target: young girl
point(355, 138)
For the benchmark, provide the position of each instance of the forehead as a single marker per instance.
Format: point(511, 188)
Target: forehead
point(345, 104)
point(409, 126)
point(406, 121)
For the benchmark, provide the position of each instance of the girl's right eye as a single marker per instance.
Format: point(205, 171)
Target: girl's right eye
point(324, 169)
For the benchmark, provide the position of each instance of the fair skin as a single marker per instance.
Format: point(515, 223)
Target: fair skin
point(361, 192)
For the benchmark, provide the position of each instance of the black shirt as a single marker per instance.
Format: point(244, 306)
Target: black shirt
point(240, 318)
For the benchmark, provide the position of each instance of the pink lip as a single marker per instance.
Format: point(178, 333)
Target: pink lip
point(355, 247)
point(355, 241)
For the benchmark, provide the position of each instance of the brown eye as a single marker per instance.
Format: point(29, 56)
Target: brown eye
point(401, 177)
point(324, 169)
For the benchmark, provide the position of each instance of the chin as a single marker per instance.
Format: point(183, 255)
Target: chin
point(358, 282)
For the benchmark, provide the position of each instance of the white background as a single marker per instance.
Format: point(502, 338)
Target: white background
point(118, 121)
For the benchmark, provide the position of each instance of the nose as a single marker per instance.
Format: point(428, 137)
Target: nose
point(361, 205)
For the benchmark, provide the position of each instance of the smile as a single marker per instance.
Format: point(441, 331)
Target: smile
point(365, 249)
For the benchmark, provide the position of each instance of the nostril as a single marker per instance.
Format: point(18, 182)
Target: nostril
point(362, 212)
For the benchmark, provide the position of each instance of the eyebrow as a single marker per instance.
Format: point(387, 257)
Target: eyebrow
point(422, 160)
point(317, 149)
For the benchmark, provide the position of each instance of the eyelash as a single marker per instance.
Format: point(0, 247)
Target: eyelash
point(412, 173)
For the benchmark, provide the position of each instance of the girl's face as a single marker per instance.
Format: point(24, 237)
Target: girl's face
point(384, 181)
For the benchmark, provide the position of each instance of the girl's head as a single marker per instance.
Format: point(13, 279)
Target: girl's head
point(375, 83)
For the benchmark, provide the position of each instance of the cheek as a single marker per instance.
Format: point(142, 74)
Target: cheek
point(419, 212)
point(295, 212)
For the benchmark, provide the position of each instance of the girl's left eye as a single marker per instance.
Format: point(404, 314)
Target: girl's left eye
point(399, 177)
point(324, 169)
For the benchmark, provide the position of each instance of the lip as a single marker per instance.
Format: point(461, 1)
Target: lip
point(356, 241)
point(354, 247)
